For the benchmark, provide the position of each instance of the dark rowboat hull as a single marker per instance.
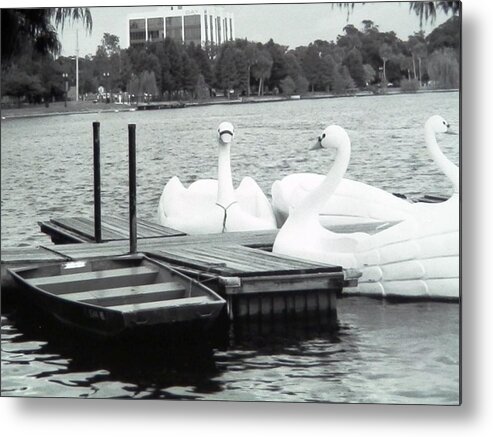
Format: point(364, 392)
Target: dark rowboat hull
point(114, 295)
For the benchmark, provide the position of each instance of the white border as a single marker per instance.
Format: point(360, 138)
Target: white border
point(82, 418)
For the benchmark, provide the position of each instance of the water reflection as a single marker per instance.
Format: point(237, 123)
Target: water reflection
point(79, 365)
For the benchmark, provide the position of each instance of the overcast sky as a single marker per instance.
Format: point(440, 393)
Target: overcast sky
point(288, 24)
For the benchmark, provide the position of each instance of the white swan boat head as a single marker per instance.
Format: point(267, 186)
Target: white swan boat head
point(225, 133)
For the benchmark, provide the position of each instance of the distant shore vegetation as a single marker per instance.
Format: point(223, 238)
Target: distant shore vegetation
point(361, 58)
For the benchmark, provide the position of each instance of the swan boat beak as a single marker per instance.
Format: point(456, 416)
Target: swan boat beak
point(317, 145)
point(451, 132)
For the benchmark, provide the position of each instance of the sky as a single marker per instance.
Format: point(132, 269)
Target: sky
point(287, 24)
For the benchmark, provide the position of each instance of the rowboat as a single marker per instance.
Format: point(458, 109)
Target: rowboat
point(112, 295)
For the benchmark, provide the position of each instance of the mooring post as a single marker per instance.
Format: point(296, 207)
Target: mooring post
point(132, 185)
point(97, 181)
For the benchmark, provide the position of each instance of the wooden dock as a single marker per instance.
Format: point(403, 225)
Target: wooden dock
point(239, 265)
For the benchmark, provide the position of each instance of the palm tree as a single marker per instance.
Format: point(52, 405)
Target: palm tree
point(37, 27)
point(262, 68)
point(425, 10)
point(428, 10)
point(385, 53)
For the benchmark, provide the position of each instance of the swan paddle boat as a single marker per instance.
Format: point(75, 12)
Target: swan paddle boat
point(302, 235)
point(352, 202)
point(213, 206)
point(417, 258)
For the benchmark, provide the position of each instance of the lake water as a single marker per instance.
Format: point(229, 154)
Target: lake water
point(383, 352)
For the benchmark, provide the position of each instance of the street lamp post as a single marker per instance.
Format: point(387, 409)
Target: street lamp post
point(65, 77)
point(106, 75)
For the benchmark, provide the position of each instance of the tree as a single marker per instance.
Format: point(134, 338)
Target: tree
point(301, 84)
point(172, 71)
point(190, 73)
point(351, 39)
point(370, 74)
point(312, 65)
point(293, 67)
point(428, 10)
point(110, 45)
point(202, 61)
point(262, 68)
point(226, 72)
point(50, 74)
point(326, 73)
point(424, 9)
point(445, 35)
point(250, 51)
point(33, 27)
point(385, 52)
point(443, 69)
point(108, 60)
point(341, 80)
point(354, 62)
point(241, 62)
point(369, 26)
point(147, 84)
point(406, 64)
point(418, 49)
point(201, 88)
point(287, 85)
point(133, 86)
point(18, 83)
point(278, 69)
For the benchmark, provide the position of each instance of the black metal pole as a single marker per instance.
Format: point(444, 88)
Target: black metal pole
point(132, 185)
point(97, 182)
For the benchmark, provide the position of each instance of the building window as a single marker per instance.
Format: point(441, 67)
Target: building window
point(155, 29)
point(137, 31)
point(192, 29)
point(173, 28)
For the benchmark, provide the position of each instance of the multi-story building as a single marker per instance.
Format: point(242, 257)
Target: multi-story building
point(185, 24)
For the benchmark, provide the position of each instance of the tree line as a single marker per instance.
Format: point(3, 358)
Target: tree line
point(359, 58)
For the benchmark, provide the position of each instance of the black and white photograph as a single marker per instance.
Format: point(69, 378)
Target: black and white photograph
point(233, 202)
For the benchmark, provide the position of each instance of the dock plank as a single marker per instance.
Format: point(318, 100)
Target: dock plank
point(112, 228)
point(239, 261)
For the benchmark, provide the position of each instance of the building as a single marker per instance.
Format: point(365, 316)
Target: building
point(202, 25)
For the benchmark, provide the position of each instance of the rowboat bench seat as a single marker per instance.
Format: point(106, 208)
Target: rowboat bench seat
point(85, 281)
point(133, 294)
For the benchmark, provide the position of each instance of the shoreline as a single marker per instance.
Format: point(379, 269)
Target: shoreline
point(102, 108)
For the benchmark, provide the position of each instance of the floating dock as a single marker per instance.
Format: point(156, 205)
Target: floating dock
point(239, 265)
